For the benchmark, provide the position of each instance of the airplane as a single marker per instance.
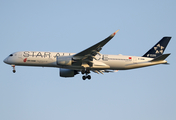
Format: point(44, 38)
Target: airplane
point(90, 59)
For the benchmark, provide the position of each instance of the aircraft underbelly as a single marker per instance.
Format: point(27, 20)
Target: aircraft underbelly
point(145, 64)
point(117, 65)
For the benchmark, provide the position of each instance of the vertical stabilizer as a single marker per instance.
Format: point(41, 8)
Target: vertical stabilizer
point(158, 49)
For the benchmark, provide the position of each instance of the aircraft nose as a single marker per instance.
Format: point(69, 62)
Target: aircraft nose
point(5, 60)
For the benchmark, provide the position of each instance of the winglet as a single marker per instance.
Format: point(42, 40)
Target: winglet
point(113, 34)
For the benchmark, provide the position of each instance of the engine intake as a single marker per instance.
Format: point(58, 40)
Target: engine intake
point(67, 72)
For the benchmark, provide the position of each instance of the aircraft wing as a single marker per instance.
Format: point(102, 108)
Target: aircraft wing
point(92, 51)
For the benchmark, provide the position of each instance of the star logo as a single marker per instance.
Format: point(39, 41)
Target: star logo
point(158, 49)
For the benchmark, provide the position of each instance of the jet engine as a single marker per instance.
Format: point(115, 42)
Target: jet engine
point(64, 60)
point(68, 72)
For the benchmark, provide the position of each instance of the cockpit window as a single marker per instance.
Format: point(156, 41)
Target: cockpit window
point(11, 55)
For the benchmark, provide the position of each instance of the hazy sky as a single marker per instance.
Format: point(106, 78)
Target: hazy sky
point(36, 93)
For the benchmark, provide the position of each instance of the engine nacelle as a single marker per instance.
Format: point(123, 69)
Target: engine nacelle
point(67, 72)
point(64, 60)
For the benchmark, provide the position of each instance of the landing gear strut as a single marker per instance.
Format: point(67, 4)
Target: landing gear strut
point(13, 68)
point(86, 76)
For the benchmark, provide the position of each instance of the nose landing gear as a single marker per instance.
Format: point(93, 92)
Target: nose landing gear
point(13, 68)
point(86, 76)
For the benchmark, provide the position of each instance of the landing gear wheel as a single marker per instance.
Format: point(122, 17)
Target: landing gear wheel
point(14, 71)
point(89, 77)
point(86, 72)
point(83, 77)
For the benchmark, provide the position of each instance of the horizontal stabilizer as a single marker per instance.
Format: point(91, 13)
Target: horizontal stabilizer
point(161, 57)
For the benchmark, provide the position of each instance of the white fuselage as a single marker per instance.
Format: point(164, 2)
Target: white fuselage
point(101, 62)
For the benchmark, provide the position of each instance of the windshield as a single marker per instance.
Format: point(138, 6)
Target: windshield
point(11, 55)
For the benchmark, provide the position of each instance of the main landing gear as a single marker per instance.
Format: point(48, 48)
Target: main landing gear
point(13, 68)
point(86, 76)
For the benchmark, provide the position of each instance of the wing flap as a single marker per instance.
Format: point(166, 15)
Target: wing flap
point(104, 71)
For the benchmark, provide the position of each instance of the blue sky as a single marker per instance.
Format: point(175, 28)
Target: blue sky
point(36, 93)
